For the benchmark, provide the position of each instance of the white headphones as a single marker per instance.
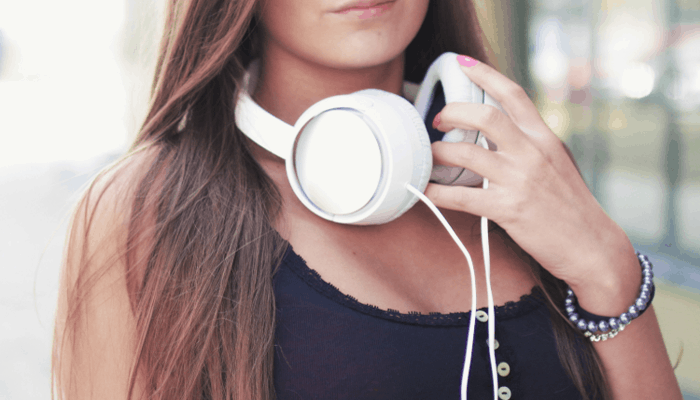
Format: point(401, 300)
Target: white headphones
point(350, 157)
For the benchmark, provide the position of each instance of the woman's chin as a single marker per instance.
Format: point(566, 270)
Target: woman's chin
point(358, 53)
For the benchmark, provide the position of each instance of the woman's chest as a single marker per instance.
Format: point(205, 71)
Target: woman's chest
point(410, 266)
point(330, 345)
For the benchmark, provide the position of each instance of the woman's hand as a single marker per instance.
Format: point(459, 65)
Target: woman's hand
point(536, 194)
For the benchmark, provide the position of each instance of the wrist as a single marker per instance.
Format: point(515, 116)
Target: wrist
point(597, 327)
point(611, 285)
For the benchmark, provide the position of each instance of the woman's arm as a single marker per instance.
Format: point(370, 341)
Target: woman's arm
point(537, 195)
point(95, 336)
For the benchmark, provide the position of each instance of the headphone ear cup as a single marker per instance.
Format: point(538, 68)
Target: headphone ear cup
point(457, 88)
point(325, 182)
point(463, 176)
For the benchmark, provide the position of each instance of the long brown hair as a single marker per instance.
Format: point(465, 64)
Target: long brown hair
point(201, 251)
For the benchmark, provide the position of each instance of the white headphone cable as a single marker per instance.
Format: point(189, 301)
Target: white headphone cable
point(472, 316)
point(487, 266)
point(489, 293)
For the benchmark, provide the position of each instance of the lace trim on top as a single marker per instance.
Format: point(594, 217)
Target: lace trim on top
point(511, 309)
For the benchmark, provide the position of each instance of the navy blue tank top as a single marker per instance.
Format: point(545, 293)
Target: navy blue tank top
point(330, 346)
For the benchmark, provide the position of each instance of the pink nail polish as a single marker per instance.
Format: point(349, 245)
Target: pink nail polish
point(466, 61)
point(436, 121)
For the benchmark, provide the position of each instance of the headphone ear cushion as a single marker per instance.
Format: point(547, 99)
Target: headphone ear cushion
point(420, 143)
point(419, 138)
point(337, 162)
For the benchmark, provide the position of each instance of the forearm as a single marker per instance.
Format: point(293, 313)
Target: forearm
point(635, 361)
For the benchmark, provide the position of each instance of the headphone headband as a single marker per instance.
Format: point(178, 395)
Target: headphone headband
point(260, 126)
point(460, 88)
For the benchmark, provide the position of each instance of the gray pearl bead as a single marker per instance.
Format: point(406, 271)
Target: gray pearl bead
point(569, 292)
point(603, 326)
point(643, 258)
point(644, 296)
point(582, 324)
point(646, 287)
point(569, 301)
point(570, 309)
point(592, 327)
point(573, 318)
point(614, 323)
point(640, 304)
point(647, 280)
point(648, 274)
point(633, 312)
point(625, 318)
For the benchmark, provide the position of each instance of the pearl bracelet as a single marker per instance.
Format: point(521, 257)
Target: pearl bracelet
point(598, 328)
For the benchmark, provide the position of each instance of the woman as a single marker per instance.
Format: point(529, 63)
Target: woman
point(176, 283)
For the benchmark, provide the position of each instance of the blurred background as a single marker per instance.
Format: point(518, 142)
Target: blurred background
point(617, 80)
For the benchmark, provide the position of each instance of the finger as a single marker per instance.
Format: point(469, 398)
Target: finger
point(475, 201)
point(498, 127)
point(473, 157)
point(511, 96)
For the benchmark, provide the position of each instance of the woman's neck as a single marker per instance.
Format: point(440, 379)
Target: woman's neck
point(288, 85)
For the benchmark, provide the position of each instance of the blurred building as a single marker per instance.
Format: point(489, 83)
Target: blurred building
point(619, 82)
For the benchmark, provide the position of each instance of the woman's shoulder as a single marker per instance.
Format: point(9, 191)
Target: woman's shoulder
point(104, 216)
point(104, 208)
point(110, 194)
point(121, 178)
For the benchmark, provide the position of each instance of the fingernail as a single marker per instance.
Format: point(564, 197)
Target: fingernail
point(466, 61)
point(436, 121)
